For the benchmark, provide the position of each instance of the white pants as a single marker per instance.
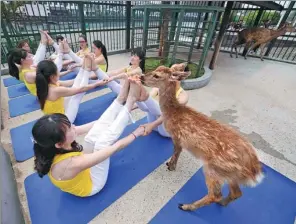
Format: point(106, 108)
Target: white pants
point(40, 54)
point(72, 102)
point(106, 130)
point(150, 106)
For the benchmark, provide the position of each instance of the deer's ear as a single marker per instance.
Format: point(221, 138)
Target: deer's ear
point(178, 76)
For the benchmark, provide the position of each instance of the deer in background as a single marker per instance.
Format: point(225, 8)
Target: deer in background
point(227, 156)
point(258, 36)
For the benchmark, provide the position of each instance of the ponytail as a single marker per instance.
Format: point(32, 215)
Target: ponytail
point(15, 57)
point(45, 69)
point(99, 44)
point(104, 52)
point(47, 132)
point(141, 54)
point(44, 156)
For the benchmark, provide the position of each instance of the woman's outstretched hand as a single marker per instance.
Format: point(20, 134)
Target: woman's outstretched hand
point(135, 79)
point(148, 128)
point(139, 131)
point(102, 82)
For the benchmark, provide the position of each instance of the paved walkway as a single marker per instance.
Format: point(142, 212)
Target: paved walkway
point(255, 97)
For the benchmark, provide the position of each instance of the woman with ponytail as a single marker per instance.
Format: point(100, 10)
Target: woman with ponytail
point(100, 55)
point(83, 170)
point(55, 96)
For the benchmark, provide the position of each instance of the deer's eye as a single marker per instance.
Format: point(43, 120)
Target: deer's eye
point(155, 76)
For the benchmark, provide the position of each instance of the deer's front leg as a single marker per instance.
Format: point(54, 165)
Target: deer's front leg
point(174, 159)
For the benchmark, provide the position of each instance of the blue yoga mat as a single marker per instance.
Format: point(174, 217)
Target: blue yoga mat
point(271, 202)
point(11, 81)
point(127, 168)
point(29, 103)
point(21, 90)
point(88, 111)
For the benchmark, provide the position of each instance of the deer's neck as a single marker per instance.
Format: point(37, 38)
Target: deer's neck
point(277, 33)
point(167, 98)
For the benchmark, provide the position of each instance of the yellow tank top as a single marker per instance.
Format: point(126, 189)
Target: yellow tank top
point(80, 185)
point(177, 94)
point(103, 67)
point(30, 86)
point(57, 106)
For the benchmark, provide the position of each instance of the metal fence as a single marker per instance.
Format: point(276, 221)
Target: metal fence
point(110, 21)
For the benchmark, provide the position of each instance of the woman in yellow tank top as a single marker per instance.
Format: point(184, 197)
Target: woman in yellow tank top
point(22, 64)
point(55, 96)
point(100, 56)
point(58, 155)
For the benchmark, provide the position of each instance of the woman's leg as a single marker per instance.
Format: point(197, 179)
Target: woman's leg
point(72, 104)
point(113, 85)
point(59, 61)
point(40, 54)
point(105, 132)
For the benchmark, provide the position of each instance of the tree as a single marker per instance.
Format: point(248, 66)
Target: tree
point(251, 15)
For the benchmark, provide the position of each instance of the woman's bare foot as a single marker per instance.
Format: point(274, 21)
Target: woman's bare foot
point(124, 92)
point(87, 61)
point(139, 90)
point(49, 39)
point(43, 37)
point(66, 48)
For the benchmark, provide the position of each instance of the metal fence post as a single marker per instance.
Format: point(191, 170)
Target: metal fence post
point(128, 25)
point(181, 17)
point(81, 16)
point(291, 5)
point(145, 28)
point(206, 47)
point(4, 25)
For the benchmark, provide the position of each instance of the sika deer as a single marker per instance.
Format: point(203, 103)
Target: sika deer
point(227, 156)
point(259, 37)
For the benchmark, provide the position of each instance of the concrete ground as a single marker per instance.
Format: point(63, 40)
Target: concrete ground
point(256, 98)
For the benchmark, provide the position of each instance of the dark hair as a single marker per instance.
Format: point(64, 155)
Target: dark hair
point(45, 69)
point(141, 54)
point(99, 44)
point(84, 37)
point(59, 37)
point(47, 131)
point(15, 56)
point(22, 43)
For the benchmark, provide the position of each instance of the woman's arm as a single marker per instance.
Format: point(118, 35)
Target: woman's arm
point(137, 71)
point(65, 91)
point(66, 83)
point(116, 72)
point(85, 161)
point(65, 73)
point(82, 129)
point(100, 60)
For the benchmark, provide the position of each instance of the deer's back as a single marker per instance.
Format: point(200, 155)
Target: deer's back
point(254, 34)
point(218, 145)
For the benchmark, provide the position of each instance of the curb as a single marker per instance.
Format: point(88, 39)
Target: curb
point(199, 82)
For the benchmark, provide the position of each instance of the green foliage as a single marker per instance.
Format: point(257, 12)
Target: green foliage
point(152, 63)
point(251, 16)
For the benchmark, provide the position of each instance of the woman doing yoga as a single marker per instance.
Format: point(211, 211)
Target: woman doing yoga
point(54, 96)
point(100, 56)
point(151, 106)
point(59, 155)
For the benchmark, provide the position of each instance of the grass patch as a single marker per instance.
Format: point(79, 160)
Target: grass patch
point(152, 63)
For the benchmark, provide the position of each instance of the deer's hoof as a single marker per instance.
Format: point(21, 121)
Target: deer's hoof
point(171, 167)
point(262, 60)
point(231, 56)
point(180, 206)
